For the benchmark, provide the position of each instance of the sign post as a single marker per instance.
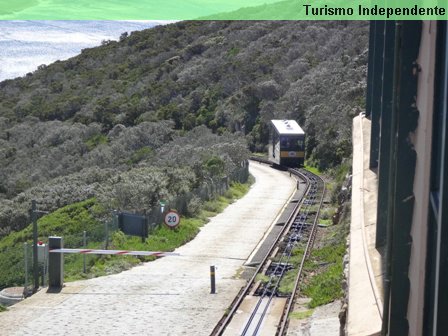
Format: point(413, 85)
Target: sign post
point(35, 261)
point(162, 204)
point(172, 219)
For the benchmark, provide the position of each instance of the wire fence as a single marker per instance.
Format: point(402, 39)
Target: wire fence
point(189, 203)
point(18, 260)
point(16, 264)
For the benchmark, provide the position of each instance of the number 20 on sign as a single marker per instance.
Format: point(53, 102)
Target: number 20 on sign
point(172, 219)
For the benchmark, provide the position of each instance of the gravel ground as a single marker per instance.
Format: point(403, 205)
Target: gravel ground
point(170, 296)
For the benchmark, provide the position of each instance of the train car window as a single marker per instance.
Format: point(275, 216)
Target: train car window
point(291, 143)
point(284, 143)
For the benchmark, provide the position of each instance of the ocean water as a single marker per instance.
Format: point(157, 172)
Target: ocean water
point(24, 45)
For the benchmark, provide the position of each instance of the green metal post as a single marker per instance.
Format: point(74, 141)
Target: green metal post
point(106, 231)
point(25, 250)
point(84, 245)
point(35, 261)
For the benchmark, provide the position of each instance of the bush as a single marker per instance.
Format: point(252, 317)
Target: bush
point(194, 206)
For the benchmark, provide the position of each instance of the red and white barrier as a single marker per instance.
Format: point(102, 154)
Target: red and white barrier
point(119, 252)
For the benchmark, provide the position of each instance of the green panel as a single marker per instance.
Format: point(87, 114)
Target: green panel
point(385, 133)
point(370, 68)
point(376, 92)
point(442, 320)
point(403, 176)
point(222, 10)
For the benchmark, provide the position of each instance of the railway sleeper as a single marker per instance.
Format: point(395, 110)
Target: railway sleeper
point(298, 225)
point(294, 236)
point(278, 269)
point(301, 225)
point(266, 290)
point(291, 246)
point(301, 218)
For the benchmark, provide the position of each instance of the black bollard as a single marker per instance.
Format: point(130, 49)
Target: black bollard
point(212, 280)
point(55, 263)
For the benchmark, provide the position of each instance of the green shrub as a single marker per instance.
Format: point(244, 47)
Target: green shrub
point(139, 155)
point(96, 140)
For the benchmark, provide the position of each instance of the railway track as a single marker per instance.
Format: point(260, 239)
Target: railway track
point(262, 308)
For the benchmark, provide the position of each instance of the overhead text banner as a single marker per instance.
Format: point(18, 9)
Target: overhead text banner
point(223, 10)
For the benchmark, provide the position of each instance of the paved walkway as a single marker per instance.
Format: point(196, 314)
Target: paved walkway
point(170, 296)
point(364, 293)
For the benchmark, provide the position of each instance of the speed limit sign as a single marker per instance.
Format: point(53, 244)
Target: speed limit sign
point(172, 219)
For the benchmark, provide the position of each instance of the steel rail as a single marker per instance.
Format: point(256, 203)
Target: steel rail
point(296, 289)
point(219, 330)
point(276, 277)
point(311, 194)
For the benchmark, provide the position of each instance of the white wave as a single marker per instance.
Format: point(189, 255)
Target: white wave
point(24, 45)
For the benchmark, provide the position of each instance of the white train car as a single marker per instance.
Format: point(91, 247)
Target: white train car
point(287, 143)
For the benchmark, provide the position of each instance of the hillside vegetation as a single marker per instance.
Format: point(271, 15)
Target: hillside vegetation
point(162, 110)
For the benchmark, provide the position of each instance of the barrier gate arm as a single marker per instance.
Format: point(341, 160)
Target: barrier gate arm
point(116, 252)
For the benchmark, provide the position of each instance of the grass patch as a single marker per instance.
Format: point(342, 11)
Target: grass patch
point(322, 281)
point(287, 283)
point(327, 213)
point(261, 155)
point(300, 315)
point(70, 221)
point(213, 207)
point(326, 222)
point(323, 273)
point(3, 308)
point(325, 287)
point(324, 269)
point(66, 221)
point(312, 208)
point(312, 169)
point(262, 278)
